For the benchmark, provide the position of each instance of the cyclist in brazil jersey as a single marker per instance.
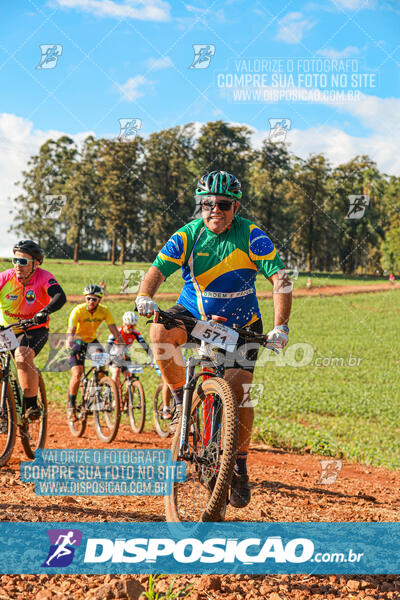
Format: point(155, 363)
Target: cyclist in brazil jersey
point(29, 292)
point(83, 323)
point(220, 255)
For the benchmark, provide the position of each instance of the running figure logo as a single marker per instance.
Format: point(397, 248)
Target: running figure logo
point(50, 55)
point(278, 129)
point(358, 204)
point(202, 56)
point(62, 542)
point(129, 127)
point(330, 469)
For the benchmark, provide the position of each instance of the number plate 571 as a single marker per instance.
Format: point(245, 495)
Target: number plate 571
point(216, 334)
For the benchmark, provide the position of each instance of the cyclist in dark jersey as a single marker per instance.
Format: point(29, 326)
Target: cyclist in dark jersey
point(220, 255)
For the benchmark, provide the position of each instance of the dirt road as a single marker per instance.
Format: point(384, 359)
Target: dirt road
point(326, 290)
point(284, 488)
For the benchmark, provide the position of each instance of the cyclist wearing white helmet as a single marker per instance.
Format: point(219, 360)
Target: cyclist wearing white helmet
point(129, 335)
point(83, 323)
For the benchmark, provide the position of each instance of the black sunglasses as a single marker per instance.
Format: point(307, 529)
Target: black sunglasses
point(90, 299)
point(222, 204)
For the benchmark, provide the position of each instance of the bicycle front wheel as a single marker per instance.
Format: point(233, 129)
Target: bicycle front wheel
point(33, 433)
point(136, 405)
point(161, 424)
point(106, 410)
point(209, 460)
point(8, 427)
point(77, 417)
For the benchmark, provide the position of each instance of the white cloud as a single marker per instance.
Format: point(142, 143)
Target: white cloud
point(354, 4)
point(201, 16)
point(345, 53)
point(207, 13)
point(338, 146)
point(292, 27)
point(18, 141)
point(377, 114)
point(131, 89)
point(156, 64)
point(145, 10)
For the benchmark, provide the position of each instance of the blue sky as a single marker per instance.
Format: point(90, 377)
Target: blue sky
point(131, 59)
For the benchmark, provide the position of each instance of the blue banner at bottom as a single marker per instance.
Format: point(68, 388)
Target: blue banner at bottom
point(252, 548)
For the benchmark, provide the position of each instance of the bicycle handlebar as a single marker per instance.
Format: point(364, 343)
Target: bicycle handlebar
point(243, 333)
point(23, 324)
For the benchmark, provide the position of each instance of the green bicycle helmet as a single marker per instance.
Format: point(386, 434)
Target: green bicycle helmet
point(219, 183)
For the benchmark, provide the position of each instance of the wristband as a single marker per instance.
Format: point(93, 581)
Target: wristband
point(141, 294)
point(284, 328)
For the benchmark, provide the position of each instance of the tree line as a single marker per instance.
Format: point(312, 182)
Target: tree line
point(122, 198)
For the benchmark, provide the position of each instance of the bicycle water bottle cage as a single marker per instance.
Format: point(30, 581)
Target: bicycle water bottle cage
point(218, 318)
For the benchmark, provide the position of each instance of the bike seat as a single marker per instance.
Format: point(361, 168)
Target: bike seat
point(218, 318)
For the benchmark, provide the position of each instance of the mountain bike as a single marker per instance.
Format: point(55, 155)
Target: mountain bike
point(133, 399)
point(12, 409)
point(97, 395)
point(206, 437)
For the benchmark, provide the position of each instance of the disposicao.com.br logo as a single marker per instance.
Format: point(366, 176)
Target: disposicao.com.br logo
point(210, 551)
point(133, 548)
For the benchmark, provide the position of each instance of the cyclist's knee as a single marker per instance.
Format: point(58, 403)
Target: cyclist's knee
point(159, 334)
point(24, 356)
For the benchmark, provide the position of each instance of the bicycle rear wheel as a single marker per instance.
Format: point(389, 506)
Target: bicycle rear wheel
point(209, 466)
point(8, 427)
point(107, 412)
point(136, 405)
point(77, 418)
point(161, 425)
point(33, 433)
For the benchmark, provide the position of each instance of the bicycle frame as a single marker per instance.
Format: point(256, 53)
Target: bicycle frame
point(87, 400)
point(190, 383)
point(8, 376)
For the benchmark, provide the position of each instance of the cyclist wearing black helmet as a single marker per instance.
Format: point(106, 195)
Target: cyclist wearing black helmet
point(220, 255)
point(28, 291)
point(83, 323)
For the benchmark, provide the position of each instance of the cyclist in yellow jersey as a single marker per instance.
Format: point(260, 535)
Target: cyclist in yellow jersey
point(83, 323)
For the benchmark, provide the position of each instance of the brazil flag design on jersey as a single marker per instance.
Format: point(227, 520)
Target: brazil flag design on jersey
point(219, 270)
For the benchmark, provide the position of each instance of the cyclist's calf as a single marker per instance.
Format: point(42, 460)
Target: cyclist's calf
point(76, 373)
point(27, 372)
point(239, 380)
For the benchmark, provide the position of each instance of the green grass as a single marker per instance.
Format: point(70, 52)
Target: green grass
point(74, 277)
point(338, 410)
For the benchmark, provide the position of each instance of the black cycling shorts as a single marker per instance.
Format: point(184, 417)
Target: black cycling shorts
point(33, 338)
point(245, 355)
point(79, 350)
